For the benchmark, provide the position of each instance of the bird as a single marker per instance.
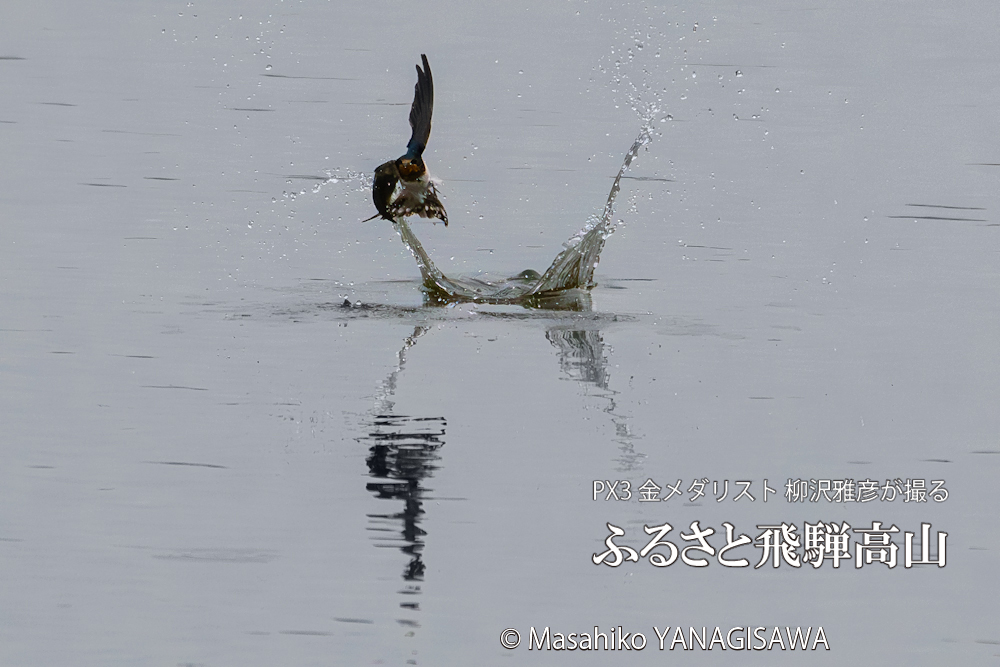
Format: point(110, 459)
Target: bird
point(419, 193)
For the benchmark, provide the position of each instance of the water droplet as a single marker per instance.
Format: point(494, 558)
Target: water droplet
point(777, 90)
point(268, 67)
point(739, 73)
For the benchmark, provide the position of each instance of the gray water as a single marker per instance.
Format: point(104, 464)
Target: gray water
point(210, 459)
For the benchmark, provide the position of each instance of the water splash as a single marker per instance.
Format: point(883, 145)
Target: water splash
point(564, 283)
point(362, 182)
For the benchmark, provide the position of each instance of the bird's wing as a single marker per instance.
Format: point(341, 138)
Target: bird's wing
point(383, 188)
point(420, 112)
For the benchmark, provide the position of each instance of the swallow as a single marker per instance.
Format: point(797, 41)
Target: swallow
point(419, 194)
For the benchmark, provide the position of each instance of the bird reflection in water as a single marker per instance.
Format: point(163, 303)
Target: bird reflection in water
point(402, 453)
point(405, 451)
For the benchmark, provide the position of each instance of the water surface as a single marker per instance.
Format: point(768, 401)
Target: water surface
point(211, 459)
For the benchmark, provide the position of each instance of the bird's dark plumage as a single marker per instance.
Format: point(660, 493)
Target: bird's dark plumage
point(419, 194)
point(383, 187)
point(420, 112)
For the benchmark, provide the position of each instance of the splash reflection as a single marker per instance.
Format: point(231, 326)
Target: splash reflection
point(582, 359)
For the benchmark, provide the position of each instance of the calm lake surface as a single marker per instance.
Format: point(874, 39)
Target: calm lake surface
point(209, 458)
